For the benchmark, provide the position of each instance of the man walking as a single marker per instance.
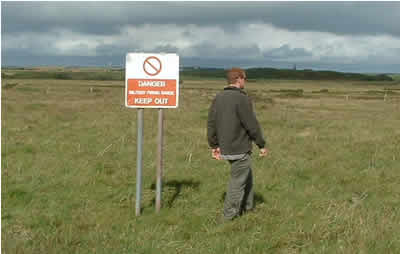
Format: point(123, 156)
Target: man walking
point(231, 129)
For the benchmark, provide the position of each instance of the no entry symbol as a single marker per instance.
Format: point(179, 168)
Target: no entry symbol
point(152, 65)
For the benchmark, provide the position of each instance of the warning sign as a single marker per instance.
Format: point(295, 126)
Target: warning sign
point(152, 80)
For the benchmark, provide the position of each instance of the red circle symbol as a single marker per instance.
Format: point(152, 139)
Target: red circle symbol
point(152, 65)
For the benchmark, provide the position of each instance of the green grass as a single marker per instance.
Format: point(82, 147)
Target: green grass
point(330, 184)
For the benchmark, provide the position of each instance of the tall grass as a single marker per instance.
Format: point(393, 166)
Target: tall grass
point(330, 184)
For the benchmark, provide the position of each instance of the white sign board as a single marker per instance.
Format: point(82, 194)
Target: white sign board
point(151, 80)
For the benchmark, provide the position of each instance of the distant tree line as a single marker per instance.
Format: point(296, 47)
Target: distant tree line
point(271, 73)
point(195, 73)
point(64, 75)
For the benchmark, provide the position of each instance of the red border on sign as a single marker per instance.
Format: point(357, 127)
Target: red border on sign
point(152, 66)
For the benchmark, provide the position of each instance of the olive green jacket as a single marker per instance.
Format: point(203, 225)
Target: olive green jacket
point(232, 124)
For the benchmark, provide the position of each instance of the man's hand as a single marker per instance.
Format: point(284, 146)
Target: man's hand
point(263, 152)
point(216, 153)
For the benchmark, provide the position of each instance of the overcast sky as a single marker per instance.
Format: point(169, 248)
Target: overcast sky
point(343, 36)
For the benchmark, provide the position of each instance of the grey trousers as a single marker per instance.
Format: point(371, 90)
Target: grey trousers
point(239, 195)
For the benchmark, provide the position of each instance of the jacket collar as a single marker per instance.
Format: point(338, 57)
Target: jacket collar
point(234, 88)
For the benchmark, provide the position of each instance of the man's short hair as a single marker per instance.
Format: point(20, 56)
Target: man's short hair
point(233, 74)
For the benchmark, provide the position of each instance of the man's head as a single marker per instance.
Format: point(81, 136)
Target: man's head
point(237, 77)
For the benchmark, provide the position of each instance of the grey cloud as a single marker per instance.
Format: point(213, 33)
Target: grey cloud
point(109, 50)
point(391, 57)
point(337, 17)
point(108, 17)
point(112, 50)
point(209, 50)
point(285, 52)
point(165, 49)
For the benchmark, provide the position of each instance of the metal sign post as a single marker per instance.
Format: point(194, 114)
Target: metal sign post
point(139, 160)
point(151, 81)
point(159, 159)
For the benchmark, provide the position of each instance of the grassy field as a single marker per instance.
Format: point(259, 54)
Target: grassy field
point(331, 183)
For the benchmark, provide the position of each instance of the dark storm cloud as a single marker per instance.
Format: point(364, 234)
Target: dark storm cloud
point(108, 17)
point(208, 34)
